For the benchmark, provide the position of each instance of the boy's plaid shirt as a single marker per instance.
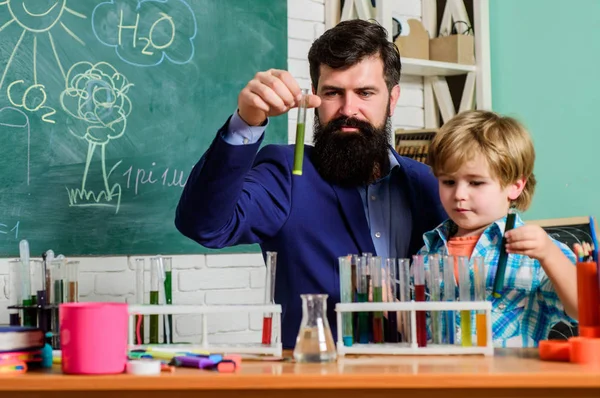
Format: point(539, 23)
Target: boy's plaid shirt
point(529, 305)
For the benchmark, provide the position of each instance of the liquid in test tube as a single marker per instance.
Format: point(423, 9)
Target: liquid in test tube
point(405, 296)
point(419, 277)
point(300, 128)
point(464, 287)
point(346, 293)
point(269, 297)
point(140, 266)
point(449, 295)
point(479, 277)
point(362, 293)
point(376, 280)
point(390, 281)
point(434, 283)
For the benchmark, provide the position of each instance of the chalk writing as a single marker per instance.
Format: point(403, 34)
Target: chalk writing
point(145, 35)
point(35, 17)
point(167, 178)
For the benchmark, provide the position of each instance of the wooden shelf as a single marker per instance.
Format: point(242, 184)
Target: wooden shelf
point(423, 67)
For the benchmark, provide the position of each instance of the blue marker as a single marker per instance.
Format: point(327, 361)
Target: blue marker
point(594, 238)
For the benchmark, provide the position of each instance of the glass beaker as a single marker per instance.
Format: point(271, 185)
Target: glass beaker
point(314, 342)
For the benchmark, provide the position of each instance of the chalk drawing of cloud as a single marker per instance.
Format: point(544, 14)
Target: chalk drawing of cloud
point(146, 32)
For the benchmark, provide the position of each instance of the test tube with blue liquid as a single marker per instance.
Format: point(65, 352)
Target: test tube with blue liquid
point(449, 295)
point(405, 296)
point(346, 293)
point(464, 288)
point(434, 282)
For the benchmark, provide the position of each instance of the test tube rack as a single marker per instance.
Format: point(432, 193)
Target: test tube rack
point(413, 348)
point(274, 349)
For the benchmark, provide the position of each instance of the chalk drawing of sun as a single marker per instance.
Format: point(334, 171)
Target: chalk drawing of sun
point(36, 17)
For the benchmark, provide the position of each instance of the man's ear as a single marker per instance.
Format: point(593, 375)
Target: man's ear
point(394, 95)
point(515, 189)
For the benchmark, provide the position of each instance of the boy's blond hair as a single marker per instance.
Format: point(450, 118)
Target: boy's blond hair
point(502, 140)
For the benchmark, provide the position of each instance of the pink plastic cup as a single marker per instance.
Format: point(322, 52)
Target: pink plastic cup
point(93, 337)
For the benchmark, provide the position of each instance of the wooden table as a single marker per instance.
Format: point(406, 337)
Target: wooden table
point(510, 373)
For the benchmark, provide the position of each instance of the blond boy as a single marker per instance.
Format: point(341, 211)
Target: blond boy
point(484, 165)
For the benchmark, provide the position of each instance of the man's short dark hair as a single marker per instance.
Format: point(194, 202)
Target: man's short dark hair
point(348, 43)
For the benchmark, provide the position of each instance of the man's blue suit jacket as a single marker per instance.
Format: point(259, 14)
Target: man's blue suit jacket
point(237, 194)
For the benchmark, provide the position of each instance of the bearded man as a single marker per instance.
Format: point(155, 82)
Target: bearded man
point(355, 195)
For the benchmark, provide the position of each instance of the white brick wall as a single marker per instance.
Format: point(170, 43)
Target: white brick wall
point(231, 278)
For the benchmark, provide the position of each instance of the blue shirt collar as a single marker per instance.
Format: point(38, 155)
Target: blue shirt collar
point(439, 236)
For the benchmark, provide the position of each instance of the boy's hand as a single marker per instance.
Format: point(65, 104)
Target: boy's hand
point(529, 240)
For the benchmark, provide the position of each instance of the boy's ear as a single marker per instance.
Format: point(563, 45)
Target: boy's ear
point(515, 189)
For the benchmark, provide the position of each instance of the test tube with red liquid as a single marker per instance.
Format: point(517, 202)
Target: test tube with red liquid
point(269, 296)
point(419, 281)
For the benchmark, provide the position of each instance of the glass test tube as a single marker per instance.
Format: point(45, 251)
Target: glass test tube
point(270, 273)
point(434, 283)
point(376, 280)
point(55, 283)
point(404, 290)
point(300, 128)
point(464, 287)
point(139, 295)
point(345, 265)
point(38, 291)
point(362, 288)
point(15, 287)
point(71, 275)
point(154, 300)
point(354, 263)
point(167, 297)
point(391, 277)
point(479, 277)
point(419, 280)
point(449, 295)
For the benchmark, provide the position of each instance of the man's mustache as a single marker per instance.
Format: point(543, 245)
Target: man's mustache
point(343, 121)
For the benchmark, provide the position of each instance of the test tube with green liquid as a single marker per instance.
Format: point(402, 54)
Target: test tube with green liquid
point(154, 297)
point(300, 128)
point(376, 280)
point(346, 293)
point(464, 287)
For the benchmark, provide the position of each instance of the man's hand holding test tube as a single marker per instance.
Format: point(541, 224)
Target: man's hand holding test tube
point(273, 93)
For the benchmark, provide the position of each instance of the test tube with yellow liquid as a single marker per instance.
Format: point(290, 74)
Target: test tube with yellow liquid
point(479, 285)
point(464, 287)
point(300, 129)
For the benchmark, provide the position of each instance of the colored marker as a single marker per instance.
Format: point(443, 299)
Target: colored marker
point(501, 270)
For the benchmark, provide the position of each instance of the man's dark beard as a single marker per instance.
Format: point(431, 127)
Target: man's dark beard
point(351, 158)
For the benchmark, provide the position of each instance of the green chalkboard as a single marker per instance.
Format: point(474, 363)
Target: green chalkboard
point(105, 106)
